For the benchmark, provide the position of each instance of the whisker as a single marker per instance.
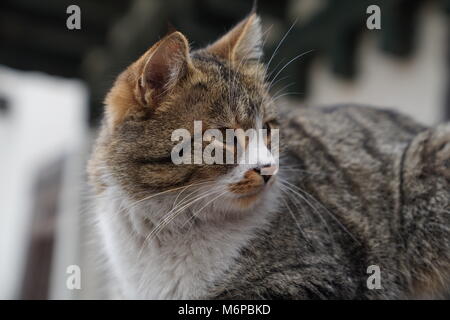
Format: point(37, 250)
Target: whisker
point(195, 214)
point(166, 191)
point(173, 213)
point(282, 89)
point(293, 215)
point(325, 223)
point(275, 69)
point(285, 94)
point(278, 80)
point(281, 42)
point(288, 63)
point(187, 196)
point(326, 210)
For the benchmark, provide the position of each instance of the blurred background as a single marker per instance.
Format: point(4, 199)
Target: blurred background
point(53, 80)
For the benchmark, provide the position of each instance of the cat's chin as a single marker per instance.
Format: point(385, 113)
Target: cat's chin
point(249, 200)
point(254, 199)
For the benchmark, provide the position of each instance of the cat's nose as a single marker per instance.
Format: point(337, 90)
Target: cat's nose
point(266, 171)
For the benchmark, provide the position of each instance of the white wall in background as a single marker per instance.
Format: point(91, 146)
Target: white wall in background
point(46, 120)
point(415, 86)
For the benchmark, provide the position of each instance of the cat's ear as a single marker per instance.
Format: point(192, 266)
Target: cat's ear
point(243, 42)
point(162, 66)
point(145, 83)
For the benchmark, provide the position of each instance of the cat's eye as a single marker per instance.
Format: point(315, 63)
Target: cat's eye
point(267, 125)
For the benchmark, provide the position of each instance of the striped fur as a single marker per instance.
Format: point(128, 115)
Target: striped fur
point(376, 191)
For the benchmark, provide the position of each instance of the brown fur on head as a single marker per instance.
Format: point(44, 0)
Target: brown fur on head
point(168, 88)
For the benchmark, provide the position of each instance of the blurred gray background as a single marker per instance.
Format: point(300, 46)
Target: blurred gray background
point(53, 81)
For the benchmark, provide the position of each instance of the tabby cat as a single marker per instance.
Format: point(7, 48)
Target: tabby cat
point(354, 188)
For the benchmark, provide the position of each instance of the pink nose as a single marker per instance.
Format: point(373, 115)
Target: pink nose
point(266, 171)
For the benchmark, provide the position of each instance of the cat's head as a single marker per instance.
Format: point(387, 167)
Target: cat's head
point(168, 88)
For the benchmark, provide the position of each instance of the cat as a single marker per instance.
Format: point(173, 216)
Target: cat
point(353, 188)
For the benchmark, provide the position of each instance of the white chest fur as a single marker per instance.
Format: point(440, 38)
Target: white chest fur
point(174, 265)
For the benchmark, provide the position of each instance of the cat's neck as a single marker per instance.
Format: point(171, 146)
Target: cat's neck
point(176, 261)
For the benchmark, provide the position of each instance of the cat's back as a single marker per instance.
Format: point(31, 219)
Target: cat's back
point(349, 127)
point(358, 154)
point(352, 152)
